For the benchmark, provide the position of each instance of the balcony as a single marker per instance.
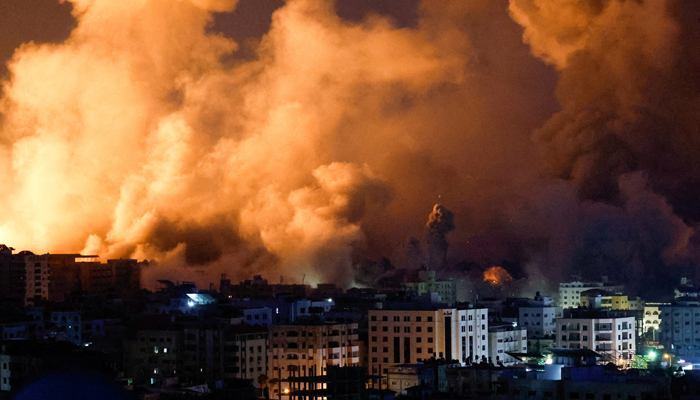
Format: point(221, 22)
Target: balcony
point(603, 327)
point(603, 337)
point(571, 327)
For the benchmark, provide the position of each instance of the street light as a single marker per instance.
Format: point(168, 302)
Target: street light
point(669, 357)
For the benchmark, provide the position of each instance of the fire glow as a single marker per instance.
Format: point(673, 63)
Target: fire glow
point(143, 135)
point(497, 276)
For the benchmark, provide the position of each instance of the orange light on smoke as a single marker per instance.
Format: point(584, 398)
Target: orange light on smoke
point(497, 275)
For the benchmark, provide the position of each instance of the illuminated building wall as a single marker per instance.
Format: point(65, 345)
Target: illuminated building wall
point(306, 349)
point(411, 336)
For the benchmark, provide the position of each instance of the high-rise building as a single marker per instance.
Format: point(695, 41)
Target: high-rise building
point(410, 336)
point(609, 333)
point(680, 328)
point(306, 348)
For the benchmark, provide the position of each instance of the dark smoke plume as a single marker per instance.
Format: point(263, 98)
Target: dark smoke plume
point(440, 223)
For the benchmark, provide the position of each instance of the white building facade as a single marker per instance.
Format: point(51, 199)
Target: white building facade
point(503, 340)
point(610, 335)
point(411, 336)
point(570, 292)
point(538, 320)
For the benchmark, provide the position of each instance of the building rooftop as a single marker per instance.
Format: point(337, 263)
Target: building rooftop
point(564, 352)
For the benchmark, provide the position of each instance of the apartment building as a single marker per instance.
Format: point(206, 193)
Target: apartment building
point(409, 336)
point(37, 278)
point(12, 277)
point(610, 334)
point(212, 354)
point(427, 282)
point(680, 329)
point(652, 319)
point(246, 350)
point(570, 292)
point(538, 320)
point(604, 299)
point(153, 355)
point(503, 339)
point(307, 347)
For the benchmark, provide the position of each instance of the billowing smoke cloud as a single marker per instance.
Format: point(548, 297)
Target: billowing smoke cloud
point(440, 223)
point(133, 138)
point(629, 103)
point(143, 135)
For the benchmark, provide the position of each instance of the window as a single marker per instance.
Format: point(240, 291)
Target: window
point(396, 318)
point(419, 350)
point(385, 329)
point(418, 319)
point(374, 338)
point(407, 319)
point(406, 329)
point(430, 319)
point(374, 329)
point(430, 340)
point(418, 340)
point(385, 349)
point(385, 339)
point(385, 318)
point(419, 329)
point(374, 318)
point(430, 349)
point(430, 329)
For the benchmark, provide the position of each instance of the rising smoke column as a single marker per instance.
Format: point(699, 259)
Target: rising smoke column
point(440, 223)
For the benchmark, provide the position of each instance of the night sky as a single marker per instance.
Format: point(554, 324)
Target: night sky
point(306, 137)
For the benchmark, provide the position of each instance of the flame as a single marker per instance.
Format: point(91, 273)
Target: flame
point(497, 275)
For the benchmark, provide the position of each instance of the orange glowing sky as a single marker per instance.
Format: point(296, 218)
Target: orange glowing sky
point(301, 136)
